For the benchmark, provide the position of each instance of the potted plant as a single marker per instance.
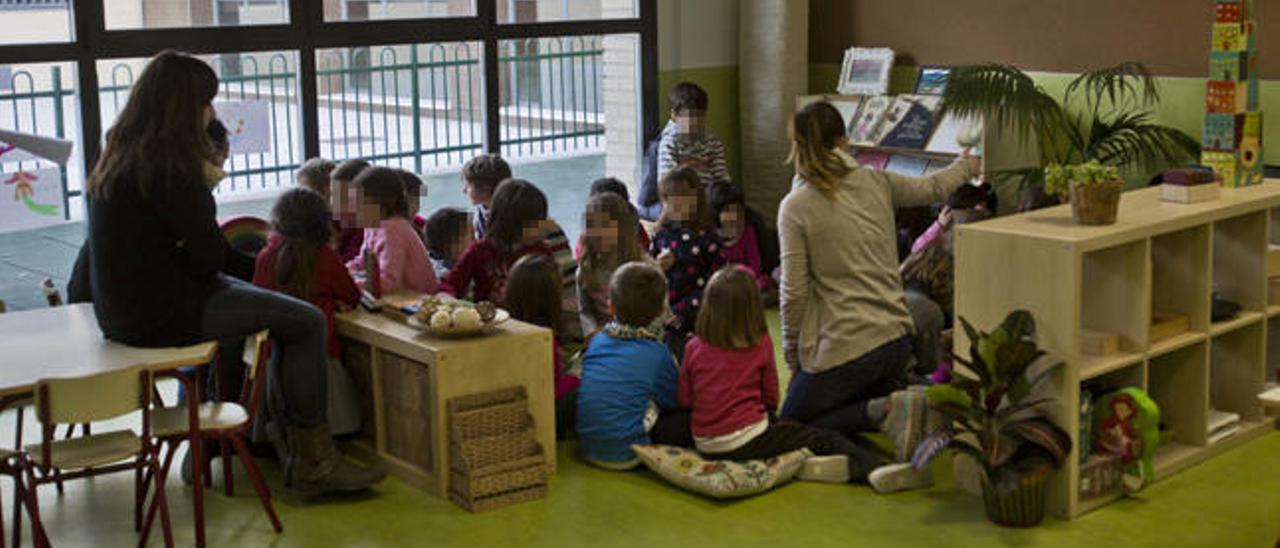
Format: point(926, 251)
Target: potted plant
point(1094, 190)
point(1104, 116)
point(997, 422)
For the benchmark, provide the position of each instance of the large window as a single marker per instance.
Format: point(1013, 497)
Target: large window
point(563, 88)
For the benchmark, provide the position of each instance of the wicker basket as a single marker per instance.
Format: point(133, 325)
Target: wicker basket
point(494, 457)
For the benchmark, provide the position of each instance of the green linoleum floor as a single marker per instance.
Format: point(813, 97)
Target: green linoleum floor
point(1233, 500)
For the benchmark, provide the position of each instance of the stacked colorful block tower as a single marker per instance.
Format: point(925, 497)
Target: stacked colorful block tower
point(1232, 143)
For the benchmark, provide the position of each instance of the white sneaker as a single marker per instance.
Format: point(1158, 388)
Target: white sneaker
point(828, 469)
point(892, 478)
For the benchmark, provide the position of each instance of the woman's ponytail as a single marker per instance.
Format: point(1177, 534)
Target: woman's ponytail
point(815, 132)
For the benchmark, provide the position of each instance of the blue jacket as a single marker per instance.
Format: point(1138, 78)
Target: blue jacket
point(620, 376)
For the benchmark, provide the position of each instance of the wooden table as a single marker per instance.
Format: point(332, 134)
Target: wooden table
point(406, 378)
point(65, 342)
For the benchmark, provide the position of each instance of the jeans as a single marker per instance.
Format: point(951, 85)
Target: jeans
point(786, 437)
point(929, 321)
point(297, 370)
point(836, 399)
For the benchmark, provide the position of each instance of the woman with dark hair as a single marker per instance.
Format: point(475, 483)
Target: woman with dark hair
point(155, 252)
point(846, 328)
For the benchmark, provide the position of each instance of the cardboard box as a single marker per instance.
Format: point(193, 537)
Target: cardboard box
point(1273, 261)
point(1190, 194)
point(1098, 343)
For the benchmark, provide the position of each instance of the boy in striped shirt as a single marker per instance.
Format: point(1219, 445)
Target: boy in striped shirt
point(685, 140)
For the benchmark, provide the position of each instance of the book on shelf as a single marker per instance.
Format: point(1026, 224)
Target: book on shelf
point(869, 119)
point(893, 117)
point(1217, 419)
point(904, 164)
point(873, 159)
point(947, 131)
point(913, 130)
point(1189, 194)
point(848, 108)
point(1223, 433)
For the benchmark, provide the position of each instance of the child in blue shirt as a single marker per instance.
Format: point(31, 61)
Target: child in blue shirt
point(629, 377)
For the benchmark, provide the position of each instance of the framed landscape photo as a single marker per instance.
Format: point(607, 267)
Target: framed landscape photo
point(865, 71)
point(933, 80)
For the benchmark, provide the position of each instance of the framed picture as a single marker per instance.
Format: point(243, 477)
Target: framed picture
point(933, 80)
point(865, 71)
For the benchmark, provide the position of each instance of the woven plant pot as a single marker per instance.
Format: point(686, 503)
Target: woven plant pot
point(1097, 203)
point(1016, 504)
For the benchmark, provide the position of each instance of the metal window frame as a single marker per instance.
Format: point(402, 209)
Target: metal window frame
point(308, 32)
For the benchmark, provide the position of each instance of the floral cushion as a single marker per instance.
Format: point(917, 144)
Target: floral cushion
point(722, 479)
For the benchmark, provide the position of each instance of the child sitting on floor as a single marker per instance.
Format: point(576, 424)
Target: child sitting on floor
point(686, 248)
point(299, 262)
point(685, 140)
point(729, 381)
point(607, 244)
point(348, 236)
point(533, 290)
point(315, 175)
point(414, 193)
point(965, 198)
point(629, 377)
point(741, 244)
point(383, 213)
point(449, 233)
point(614, 186)
point(480, 179)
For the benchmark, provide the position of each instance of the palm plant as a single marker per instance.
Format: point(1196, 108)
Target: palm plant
point(1104, 115)
point(996, 421)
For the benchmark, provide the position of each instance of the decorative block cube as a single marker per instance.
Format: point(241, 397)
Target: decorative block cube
point(1222, 131)
point(1252, 125)
point(1227, 97)
point(1229, 37)
point(1252, 95)
point(1223, 163)
point(1237, 168)
point(1229, 12)
point(1233, 65)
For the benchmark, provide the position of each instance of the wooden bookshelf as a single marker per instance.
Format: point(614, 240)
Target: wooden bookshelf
point(1161, 257)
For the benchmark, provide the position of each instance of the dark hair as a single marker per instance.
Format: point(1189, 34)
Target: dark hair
point(638, 291)
point(533, 291)
point(412, 183)
point(301, 217)
point(732, 314)
point(316, 174)
point(445, 226)
point(815, 131)
point(349, 170)
point(1034, 197)
point(684, 181)
point(485, 172)
point(610, 184)
point(160, 137)
point(967, 197)
point(687, 96)
point(722, 194)
point(516, 204)
point(382, 185)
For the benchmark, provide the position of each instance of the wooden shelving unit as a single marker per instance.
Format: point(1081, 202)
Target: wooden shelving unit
point(1158, 259)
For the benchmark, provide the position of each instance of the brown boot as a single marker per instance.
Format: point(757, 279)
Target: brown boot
point(316, 467)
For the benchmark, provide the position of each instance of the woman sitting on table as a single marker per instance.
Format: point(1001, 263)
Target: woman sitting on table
point(846, 329)
point(155, 252)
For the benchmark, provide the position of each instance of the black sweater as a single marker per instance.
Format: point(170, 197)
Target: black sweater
point(153, 263)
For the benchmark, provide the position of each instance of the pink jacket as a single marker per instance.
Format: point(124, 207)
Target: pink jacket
point(402, 257)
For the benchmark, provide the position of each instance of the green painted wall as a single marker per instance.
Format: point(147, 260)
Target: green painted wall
point(721, 84)
point(1181, 105)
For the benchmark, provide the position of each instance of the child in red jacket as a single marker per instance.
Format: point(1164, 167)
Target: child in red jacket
point(729, 382)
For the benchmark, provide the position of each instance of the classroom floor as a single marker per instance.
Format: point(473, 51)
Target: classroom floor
point(1232, 500)
point(29, 256)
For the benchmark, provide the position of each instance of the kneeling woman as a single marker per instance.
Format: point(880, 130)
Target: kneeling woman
point(155, 251)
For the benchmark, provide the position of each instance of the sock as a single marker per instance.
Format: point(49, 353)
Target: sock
point(878, 409)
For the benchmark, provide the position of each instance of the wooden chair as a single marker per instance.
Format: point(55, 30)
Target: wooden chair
point(91, 399)
point(227, 422)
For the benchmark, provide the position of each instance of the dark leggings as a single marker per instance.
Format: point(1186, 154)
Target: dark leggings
point(836, 399)
point(785, 437)
point(298, 368)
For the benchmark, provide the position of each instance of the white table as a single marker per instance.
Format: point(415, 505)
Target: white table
point(65, 342)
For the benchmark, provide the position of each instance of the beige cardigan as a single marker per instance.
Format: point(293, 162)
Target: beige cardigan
point(841, 291)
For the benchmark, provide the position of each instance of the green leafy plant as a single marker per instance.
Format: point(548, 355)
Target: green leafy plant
point(1104, 116)
point(995, 419)
point(1058, 178)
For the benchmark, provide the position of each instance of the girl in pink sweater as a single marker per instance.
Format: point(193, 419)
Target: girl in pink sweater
point(383, 213)
point(729, 382)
